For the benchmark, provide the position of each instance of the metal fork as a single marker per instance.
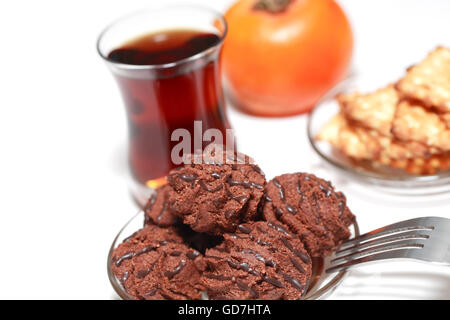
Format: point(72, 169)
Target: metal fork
point(425, 239)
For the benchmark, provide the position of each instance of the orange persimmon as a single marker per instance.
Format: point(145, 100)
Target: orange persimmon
point(281, 56)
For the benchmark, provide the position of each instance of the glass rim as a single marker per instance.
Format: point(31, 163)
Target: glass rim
point(164, 65)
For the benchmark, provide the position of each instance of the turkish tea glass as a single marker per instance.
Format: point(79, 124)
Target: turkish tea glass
point(161, 98)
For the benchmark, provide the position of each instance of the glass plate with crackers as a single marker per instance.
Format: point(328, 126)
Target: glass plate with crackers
point(395, 135)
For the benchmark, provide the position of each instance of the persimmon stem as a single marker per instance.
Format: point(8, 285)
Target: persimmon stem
point(272, 6)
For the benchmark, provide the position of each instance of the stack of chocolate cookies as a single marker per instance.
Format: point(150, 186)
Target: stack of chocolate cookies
point(221, 229)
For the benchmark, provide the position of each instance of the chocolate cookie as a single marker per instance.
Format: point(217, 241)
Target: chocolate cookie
point(155, 264)
point(311, 208)
point(157, 209)
point(216, 197)
point(262, 260)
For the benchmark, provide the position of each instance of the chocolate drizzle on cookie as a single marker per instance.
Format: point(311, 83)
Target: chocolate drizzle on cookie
point(177, 270)
point(193, 254)
point(239, 199)
point(143, 273)
point(289, 208)
point(148, 207)
point(305, 258)
point(125, 276)
point(206, 188)
point(244, 229)
point(130, 255)
point(245, 183)
point(273, 281)
point(216, 175)
point(164, 208)
point(189, 178)
point(151, 293)
point(278, 228)
point(292, 281)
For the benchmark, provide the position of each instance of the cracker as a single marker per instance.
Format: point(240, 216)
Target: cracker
point(446, 119)
point(413, 122)
point(374, 111)
point(346, 139)
point(330, 132)
point(422, 166)
point(429, 81)
point(362, 144)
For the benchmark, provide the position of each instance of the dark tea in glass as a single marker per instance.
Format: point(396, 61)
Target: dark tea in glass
point(169, 78)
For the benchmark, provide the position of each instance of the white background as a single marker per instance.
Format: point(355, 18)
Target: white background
point(63, 191)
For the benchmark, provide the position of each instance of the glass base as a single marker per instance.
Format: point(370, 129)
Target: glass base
point(141, 193)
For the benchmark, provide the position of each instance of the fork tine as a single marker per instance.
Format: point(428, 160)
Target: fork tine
point(399, 227)
point(409, 235)
point(375, 257)
point(402, 244)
